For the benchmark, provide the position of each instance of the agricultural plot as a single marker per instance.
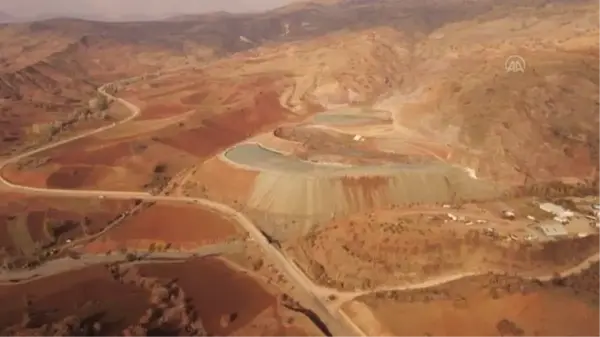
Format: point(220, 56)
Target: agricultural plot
point(19, 234)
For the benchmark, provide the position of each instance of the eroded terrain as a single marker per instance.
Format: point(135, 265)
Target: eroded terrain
point(324, 178)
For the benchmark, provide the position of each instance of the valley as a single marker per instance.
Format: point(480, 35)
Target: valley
point(320, 175)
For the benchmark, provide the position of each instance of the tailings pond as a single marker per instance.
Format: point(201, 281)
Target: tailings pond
point(256, 157)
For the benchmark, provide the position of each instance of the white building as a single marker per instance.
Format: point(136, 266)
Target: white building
point(552, 229)
point(556, 210)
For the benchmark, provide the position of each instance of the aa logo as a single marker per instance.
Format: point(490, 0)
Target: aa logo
point(515, 64)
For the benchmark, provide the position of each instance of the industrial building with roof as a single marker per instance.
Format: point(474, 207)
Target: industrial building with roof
point(552, 229)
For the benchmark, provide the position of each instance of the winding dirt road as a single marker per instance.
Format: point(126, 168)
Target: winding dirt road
point(337, 324)
point(315, 297)
point(345, 296)
point(65, 264)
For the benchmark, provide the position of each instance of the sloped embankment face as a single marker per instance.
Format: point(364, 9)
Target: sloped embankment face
point(295, 194)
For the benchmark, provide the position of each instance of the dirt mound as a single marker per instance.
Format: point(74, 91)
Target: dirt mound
point(184, 227)
point(319, 194)
point(494, 305)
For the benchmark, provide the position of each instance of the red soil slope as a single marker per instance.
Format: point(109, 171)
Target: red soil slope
point(228, 128)
point(220, 291)
point(224, 301)
point(162, 110)
point(64, 216)
point(495, 305)
point(90, 292)
point(184, 227)
point(105, 155)
point(221, 181)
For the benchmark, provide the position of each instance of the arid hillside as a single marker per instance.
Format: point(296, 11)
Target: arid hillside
point(52, 67)
point(448, 96)
point(334, 150)
point(491, 306)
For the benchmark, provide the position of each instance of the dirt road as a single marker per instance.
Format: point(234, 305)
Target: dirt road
point(313, 296)
point(85, 260)
point(336, 323)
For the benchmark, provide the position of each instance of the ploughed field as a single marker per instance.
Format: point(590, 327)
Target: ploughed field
point(31, 227)
point(204, 296)
point(182, 227)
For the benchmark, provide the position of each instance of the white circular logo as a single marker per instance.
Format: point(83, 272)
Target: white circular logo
point(515, 64)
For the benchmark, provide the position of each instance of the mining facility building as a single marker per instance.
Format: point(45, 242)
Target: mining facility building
point(552, 229)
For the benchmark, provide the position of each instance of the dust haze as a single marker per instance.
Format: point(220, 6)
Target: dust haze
point(130, 9)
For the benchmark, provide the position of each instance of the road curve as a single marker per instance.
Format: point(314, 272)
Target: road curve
point(337, 323)
point(316, 296)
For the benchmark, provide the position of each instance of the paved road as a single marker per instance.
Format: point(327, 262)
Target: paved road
point(337, 323)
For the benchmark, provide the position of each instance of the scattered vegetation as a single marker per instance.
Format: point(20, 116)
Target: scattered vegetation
point(160, 179)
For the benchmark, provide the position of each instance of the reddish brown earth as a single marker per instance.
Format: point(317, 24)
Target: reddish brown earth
point(5, 238)
point(125, 164)
point(107, 154)
point(33, 178)
point(160, 89)
point(70, 177)
point(183, 226)
point(90, 293)
point(224, 300)
point(385, 246)
point(494, 305)
point(65, 218)
point(161, 110)
point(221, 181)
point(228, 128)
point(48, 69)
point(219, 292)
point(194, 99)
point(35, 224)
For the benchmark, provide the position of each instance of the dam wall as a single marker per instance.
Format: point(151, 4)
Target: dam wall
point(295, 203)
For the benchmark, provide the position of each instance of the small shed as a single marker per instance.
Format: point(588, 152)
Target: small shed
point(552, 229)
